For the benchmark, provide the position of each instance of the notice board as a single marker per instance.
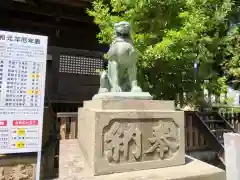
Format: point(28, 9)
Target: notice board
point(22, 82)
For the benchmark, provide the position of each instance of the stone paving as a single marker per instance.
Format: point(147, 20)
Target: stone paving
point(71, 160)
point(71, 167)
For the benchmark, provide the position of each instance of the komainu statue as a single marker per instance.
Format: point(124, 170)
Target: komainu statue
point(121, 73)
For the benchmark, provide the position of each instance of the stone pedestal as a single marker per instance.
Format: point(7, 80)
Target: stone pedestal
point(127, 135)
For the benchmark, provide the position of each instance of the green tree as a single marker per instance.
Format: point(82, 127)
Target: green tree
point(231, 65)
point(170, 35)
point(230, 51)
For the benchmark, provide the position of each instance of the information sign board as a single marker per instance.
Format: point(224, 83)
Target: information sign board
point(22, 84)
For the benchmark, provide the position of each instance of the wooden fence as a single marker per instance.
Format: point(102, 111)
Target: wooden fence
point(233, 118)
point(194, 139)
point(68, 125)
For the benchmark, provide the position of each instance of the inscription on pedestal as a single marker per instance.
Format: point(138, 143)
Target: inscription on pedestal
point(17, 172)
point(119, 138)
point(129, 140)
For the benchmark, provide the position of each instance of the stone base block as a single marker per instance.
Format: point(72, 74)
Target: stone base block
point(73, 167)
point(127, 135)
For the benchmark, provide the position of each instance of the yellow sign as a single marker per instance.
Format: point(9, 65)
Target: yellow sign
point(21, 132)
point(35, 75)
point(33, 92)
point(20, 144)
point(37, 91)
point(30, 92)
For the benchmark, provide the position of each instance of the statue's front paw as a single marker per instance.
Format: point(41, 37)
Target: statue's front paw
point(116, 89)
point(136, 89)
point(102, 90)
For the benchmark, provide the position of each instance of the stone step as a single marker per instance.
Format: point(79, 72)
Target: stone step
point(214, 121)
point(221, 130)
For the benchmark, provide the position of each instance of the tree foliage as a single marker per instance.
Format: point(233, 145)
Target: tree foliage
point(231, 64)
point(170, 35)
point(231, 52)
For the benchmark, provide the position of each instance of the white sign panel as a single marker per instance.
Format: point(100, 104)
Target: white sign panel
point(22, 84)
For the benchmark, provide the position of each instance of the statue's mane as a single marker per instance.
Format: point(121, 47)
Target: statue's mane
point(122, 35)
point(122, 38)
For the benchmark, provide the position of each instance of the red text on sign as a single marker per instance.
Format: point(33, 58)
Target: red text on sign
point(25, 122)
point(3, 122)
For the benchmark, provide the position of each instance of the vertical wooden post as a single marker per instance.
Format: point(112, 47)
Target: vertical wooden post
point(196, 138)
point(190, 132)
point(73, 127)
point(63, 121)
point(185, 128)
